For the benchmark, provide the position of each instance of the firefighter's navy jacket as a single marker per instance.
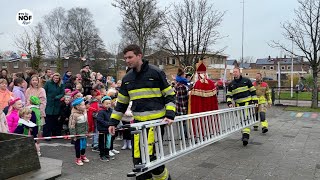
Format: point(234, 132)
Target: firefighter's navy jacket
point(242, 92)
point(151, 95)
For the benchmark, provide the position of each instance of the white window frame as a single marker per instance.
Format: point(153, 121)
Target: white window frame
point(271, 68)
point(264, 67)
point(16, 65)
point(288, 67)
point(247, 74)
point(27, 65)
point(283, 67)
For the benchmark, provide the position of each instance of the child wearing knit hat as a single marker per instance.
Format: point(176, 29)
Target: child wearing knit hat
point(13, 113)
point(76, 94)
point(78, 124)
point(103, 120)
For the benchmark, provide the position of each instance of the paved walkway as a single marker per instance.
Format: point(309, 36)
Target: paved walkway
point(290, 150)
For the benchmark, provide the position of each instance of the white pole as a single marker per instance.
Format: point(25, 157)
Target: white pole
point(242, 33)
point(279, 81)
point(292, 68)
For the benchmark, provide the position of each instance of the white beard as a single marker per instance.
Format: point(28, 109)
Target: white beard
point(202, 76)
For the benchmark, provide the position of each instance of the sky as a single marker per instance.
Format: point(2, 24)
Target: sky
point(262, 21)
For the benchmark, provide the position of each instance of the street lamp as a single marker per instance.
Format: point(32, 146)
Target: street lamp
point(242, 33)
point(291, 93)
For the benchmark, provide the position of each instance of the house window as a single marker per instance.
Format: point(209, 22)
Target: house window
point(247, 74)
point(65, 64)
point(288, 67)
point(53, 64)
point(283, 67)
point(4, 65)
point(173, 61)
point(27, 65)
point(271, 68)
point(15, 65)
point(161, 62)
point(264, 67)
point(168, 61)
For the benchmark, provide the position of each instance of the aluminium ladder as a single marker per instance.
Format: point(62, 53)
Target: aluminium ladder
point(188, 133)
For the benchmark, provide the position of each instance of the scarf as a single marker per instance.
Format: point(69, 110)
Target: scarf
point(182, 80)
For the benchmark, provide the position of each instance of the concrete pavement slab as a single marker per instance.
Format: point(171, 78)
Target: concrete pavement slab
point(290, 150)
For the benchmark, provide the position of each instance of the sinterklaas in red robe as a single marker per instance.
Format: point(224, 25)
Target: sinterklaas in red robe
point(203, 97)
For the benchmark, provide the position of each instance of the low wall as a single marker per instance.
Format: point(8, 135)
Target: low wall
point(18, 155)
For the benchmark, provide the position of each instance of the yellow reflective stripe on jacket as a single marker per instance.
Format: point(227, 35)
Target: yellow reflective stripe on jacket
point(262, 100)
point(252, 88)
point(144, 93)
point(123, 99)
point(168, 91)
point(136, 143)
point(229, 93)
point(242, 100)
point(149, 115)
point(240, 89)
point(116, 115)
point(229, 100)
point(254, 98)
point(171, 106)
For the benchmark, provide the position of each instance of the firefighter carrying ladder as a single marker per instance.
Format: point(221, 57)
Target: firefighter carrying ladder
point(188, 133)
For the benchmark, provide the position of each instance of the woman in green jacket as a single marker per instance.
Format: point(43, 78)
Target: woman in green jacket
point(54, 91)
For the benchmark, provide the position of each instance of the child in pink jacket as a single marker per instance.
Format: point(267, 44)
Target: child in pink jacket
point(13, 114)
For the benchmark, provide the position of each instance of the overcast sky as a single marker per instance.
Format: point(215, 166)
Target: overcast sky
point(262, 22)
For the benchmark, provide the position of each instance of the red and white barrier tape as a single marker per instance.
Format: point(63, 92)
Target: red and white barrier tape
point(71, 136)
point(65, 136)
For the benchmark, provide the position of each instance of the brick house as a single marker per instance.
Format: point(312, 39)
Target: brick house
point(104, 66)
point(170, 63)
point(299, 66)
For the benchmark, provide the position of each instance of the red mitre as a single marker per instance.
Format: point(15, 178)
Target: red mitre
point(201, 68)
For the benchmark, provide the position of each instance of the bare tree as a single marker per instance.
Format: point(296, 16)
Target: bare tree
point(190, 29)
point(31, 42)
point(81, 31)
point(116, 60)
point(141, 20)
point(55, 23)
point(304, 32)
point(24, 42)
point(96, 46)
